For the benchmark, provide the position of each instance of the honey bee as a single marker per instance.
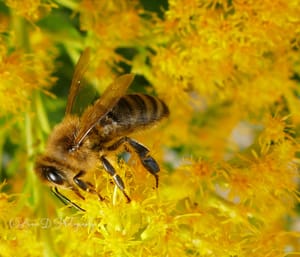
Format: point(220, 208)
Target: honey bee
point(79, 144)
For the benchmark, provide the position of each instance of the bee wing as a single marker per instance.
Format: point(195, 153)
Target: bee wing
point(79, 71)
point(102, 106)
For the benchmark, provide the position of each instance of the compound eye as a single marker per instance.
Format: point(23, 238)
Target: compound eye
point(53, 175)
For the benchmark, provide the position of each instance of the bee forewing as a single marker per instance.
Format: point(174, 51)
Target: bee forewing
point(79, 71)
point(102, 106)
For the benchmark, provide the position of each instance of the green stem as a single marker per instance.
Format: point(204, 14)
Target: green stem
point(32, 186)
point(1, 154)
point(41, 114)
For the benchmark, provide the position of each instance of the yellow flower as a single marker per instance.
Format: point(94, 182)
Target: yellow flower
point(22, 73)
point(217, 65)
point(276, 131)
point(31, 10)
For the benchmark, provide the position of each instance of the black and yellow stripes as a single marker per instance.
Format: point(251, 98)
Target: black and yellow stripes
point(139, 109)
point(132, 112)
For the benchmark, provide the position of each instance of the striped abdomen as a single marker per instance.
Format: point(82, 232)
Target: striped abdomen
point(132, 112)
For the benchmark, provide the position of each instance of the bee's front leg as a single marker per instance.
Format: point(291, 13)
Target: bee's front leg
point(117, 179)
point(64, 199)
point(147, 160)
point(86, 186)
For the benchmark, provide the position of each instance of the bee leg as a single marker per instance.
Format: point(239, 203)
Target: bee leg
point(64, 199)
point(147, 160)
point(117, 179)
point(86, 186)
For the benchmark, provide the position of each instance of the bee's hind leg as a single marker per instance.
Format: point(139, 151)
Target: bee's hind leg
point(117, 179)
point(147, 160)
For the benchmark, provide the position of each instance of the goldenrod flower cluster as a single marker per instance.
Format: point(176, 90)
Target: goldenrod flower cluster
point(229, 72)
